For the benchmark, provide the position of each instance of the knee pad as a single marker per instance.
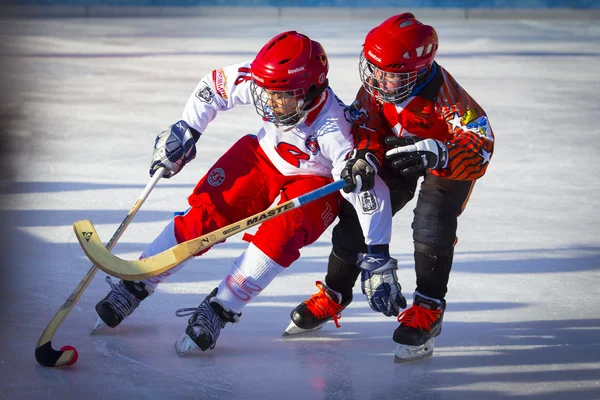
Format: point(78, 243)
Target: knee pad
point(434, 227)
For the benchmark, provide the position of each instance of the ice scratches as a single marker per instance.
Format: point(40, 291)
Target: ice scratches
point(102, 348)
point(303, 337)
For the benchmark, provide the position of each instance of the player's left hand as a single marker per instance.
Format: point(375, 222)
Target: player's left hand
point(414, 156)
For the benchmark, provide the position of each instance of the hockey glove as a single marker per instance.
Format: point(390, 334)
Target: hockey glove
point(414, 156)
point(174, 148)
point(360, 171)
point(379, 283)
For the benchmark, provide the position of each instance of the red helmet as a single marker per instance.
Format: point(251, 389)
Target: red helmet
point(293, 65)
point(396, 54)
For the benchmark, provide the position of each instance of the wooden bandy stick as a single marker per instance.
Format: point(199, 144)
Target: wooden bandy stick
point(137, 270)
point(67, 355)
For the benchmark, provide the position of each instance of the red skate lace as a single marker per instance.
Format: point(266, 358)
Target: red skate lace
point(323, 307)
point(419, 317)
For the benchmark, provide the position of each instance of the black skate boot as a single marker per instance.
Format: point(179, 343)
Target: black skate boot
point(120, 302)
point(204, 325)
point(419, 325)
point(313, 313)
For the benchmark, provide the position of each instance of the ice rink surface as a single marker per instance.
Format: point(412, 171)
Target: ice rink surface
point(91, 95)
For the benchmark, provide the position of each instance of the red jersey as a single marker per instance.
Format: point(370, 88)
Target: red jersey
point(441, 110)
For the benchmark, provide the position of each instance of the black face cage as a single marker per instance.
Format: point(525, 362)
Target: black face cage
point(261, 97)
point(389, 87)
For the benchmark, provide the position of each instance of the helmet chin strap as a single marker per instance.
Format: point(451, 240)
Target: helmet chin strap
point(317, 102)
point(304, 112)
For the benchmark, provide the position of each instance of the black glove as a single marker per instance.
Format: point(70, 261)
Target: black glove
point(414, 156)
point(360, 171)
point(174, 148)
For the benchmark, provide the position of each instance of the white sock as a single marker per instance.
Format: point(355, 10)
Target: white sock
point(165, 240)
point(249, 274)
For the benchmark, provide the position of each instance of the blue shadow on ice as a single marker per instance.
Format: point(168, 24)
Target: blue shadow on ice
point(57, 187)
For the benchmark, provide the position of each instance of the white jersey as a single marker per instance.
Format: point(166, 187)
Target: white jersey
point(319, 145)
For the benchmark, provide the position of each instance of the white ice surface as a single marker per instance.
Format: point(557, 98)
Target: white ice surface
point(522, 319)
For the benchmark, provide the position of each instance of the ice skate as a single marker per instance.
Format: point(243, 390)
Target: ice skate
point(204, 325)
point(419, 325)
point(312, 314)
point(119, 303)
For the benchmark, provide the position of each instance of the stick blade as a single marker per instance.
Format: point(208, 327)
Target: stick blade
point(46, 356)
point(135, 270)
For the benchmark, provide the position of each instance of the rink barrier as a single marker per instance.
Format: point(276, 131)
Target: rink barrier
point(282, 13)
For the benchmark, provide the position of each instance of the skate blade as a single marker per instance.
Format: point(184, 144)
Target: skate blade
point(405, 353)
point(293, 330)
point(98, 325)
point(184, 345)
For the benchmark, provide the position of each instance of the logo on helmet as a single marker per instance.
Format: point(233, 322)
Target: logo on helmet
point(322, 78)
point(378, 59)
point(296, 70)
point(258, 78)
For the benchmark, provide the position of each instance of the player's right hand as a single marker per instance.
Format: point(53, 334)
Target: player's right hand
point(379, 283)
point(173, 148)
point(360, 171)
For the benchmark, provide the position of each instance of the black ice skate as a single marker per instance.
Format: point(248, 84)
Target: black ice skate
point(120, 302)
point(205, 324)
point(313, 313)
point(419, 325)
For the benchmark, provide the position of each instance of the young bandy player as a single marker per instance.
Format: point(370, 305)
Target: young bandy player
point(305, 141)
point(414, 111)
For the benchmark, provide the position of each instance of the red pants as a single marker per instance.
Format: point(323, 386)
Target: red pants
point(244, 182)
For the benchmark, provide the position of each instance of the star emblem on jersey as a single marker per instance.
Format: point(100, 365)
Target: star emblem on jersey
point(455, 122)
point(486, 156)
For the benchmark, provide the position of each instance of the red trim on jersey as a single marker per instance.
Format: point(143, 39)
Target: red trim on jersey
point(312, 115)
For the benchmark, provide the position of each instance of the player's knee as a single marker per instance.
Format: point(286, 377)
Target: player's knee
point(433, 251)
point(282, 238)
point(282, 249)
point(197, 221)
point(434, 229)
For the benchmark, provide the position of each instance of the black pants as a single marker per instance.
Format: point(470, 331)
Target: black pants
point(439, 204)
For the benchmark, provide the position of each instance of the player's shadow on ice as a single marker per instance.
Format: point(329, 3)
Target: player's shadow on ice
point(50, 218)
point(57, 187)
point(567, 259)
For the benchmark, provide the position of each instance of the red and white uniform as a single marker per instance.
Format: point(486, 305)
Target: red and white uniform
point(257, 170)
point(319, 146)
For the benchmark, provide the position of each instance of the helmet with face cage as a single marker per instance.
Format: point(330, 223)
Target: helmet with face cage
point(291, 70)
point(396, 56)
